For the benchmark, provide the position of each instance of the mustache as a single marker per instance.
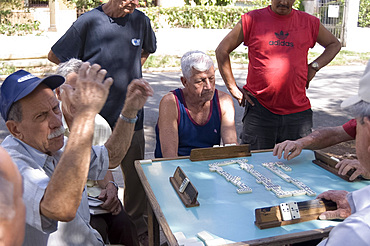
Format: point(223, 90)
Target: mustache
point(284, 6)
point(56, 133)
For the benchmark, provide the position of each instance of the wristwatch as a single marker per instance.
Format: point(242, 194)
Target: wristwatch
point(315, 66)
point(114, 183)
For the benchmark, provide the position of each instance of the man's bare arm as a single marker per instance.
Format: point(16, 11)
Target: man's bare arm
point(144, 57)
point(318, 139)
point(69, 177)
point(228, 131)
point(119, 142)
point(167, 126)
point(332, 47)
point(53, 58)
point(227, 45)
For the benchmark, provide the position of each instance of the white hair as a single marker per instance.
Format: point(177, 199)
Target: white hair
point(70, 66)
point(360, 110)
point(197, 60)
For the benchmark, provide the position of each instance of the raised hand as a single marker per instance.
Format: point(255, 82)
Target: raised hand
point(138, 92)
point(91, 90)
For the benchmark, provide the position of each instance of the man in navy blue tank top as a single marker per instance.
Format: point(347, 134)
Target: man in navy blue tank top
point(196, 116)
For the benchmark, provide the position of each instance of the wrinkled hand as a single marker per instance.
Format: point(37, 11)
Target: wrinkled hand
point(291, 149)
point(343, 207)
point(111, 201)
point(138, 92)
point(91, 89)
point(347, 164)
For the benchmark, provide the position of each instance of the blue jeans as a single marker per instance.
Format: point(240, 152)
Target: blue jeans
point(263, 129)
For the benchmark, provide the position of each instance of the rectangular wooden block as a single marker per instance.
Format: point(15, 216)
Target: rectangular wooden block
point(269, 217)
point(328, 164)
point(212, 153)
point(187, 194)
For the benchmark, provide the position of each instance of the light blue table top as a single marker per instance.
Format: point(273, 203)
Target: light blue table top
point(227, 214)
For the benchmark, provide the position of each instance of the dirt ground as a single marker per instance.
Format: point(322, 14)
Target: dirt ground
point(342, 151)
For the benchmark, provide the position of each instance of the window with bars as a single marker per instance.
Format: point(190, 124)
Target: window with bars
point(37, 3)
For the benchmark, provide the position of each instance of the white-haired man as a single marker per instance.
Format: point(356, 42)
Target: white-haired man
point(196, 116)
point(354, 230)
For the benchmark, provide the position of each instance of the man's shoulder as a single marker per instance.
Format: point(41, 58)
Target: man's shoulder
point(139, 13)
point(258, 11)
point(168, 98)
point(302, 14)
point(91, 15)
point(223, 95)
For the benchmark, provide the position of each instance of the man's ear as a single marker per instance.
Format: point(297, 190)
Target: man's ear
point(183, 80)
point(57, 93)
point(13, 128)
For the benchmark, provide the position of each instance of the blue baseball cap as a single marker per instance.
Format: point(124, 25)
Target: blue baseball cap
point(20, 84)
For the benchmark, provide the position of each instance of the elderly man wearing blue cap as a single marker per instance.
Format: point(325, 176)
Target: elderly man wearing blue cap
point(354, 206)
point(54, 174)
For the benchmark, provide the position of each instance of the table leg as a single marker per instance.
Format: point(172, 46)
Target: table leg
point(153, 228)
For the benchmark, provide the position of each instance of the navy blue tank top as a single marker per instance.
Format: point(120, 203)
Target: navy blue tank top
point(192, 135)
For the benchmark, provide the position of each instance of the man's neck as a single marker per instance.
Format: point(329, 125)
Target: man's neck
point(113, 10)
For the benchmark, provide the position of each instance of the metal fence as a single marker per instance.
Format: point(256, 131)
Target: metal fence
point(332, 16)
point(36, 3)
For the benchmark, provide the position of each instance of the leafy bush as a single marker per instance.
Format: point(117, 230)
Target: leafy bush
point(204, 17)
point(363, 15)
point(214, 17)
point(210, 2)
point(19, 29)
point(8, 28)
point(200, 16)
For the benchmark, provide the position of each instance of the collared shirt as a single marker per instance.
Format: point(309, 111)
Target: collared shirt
point(36, 169)
point(354, 230)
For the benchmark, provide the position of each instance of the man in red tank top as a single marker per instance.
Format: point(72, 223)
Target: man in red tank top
point(278, 38)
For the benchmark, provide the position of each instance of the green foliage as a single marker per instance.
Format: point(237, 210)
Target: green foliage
point(8, 28)
point(204, 17)
point(214, 17)
point(156, 61)
point(19, 29)
point(210, 2)
point(200, 16)
point(363, 15)
point(6, 69)
point(87, 4)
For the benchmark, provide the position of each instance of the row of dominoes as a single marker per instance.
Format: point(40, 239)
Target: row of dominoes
point(283, 166)
point(303, 189)
point(302, 186)
point(235, 180)
point(260, 178)
point(277, 171)
point(269, 185)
